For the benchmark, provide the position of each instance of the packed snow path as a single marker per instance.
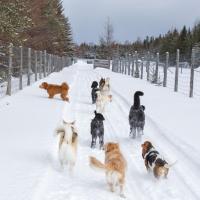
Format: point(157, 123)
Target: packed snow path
point(30, 168)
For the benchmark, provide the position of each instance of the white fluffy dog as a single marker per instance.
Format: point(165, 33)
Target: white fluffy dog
point(67, 144)
point(101, 102)
point(105, 90)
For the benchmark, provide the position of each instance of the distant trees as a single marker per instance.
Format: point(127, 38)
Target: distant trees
point(39, 24)
point(184, 40)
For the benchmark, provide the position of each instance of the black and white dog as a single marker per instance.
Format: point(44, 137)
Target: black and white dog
point(137, 116)
point(97, 130)
point(94, 90)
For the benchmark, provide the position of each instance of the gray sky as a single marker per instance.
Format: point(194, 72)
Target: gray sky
point(130, 18)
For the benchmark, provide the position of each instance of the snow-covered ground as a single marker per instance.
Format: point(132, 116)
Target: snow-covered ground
point(29, 168)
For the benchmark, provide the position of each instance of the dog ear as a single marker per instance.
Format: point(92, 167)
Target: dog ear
point(73, 123)
point(64, 122)
point(95, 112)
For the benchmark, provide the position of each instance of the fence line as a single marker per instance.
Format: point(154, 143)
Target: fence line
point(20, 66)
point(165, 70)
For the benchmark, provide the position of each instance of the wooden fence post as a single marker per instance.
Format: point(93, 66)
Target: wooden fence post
point(129, 64)
point(133, 63)
point(165, 70)
point(36, 66)
point(40, 68)
point(9, 86)
point(142, 65)
point(177, 71)
point(120, 65)
point(21, 68)
point(45, 62)
point(137, 72)
point(50, 60)
point(29, 67)
point(148, 65)
point(157, 67)
point(192, 74)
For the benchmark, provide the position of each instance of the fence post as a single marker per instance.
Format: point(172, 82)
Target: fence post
point(21, 68)
point(36, 66)
point(165, 70)
point(192, 74)
point(29, 67)
point(157, 67)
point(51, 63)
point(137, 73)
point(177, 71)
point(45, 62)
point(129, 64)
point(133, 63)
point(120, 65)
point(142, 65)
point(8, 92)
point(40, 69)
point(148, 65)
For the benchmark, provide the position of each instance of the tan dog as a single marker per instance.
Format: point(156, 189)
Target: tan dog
point(153, 161)
point(52, 90)
point(67, 144)
point(114, 167)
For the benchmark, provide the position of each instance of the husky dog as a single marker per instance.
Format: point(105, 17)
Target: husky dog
point(114, 167)
point(67, 144)
point(94, 90)
point(101, 101)
point(97, 130)
point(137, 116)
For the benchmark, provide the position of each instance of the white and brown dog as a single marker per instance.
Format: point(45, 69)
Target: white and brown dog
point(114, 167)
point(105, 86)
point(67, 144)
point(101, 101)
point(153, 161)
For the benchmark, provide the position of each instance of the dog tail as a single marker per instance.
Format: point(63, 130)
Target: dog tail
point(137, 99)
point(170, 165)
point(94, 163)
point(59, 131)
point(65, 86)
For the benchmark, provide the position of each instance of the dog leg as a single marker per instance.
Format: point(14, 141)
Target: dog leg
point(64, 97)
point(93, 144)
point(101, 141)
point(51, 96)
point(111, 187)
point(121, 187)
point(133, 132)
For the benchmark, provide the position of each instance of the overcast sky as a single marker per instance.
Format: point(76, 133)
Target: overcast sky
point(130, 18)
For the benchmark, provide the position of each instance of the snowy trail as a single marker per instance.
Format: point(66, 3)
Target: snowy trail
point(183, 175)
point(87, 184)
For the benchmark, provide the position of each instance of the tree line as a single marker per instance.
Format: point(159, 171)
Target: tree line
point(38, 24)
point(183, 40)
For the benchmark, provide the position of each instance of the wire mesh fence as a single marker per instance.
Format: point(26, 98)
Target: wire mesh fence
point(20, 67)
point(168, 70)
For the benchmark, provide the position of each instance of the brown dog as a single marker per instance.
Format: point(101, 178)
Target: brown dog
point(153, 161)
point(52, 90)
point(114, 166)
